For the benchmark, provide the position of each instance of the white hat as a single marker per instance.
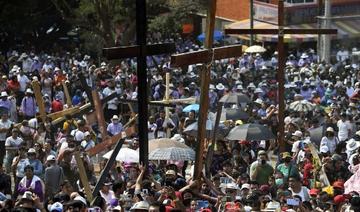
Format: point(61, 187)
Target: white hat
point(27, 195)
point(4, 94)
point(352, 145)
point(35, 78)
point(259, 101)
point(324, 149)
point(115, 117)
point(50, 158)
point(239, 87)
point(212, 87)
point(57, 69)
point(297, 133)
point(57, 206)
point(29, 91)
point(245, 186)
point(304, 55)
point(31, 150)
point(81, 199)
point(142, 205)
point(36, 58)
point(287, 120)
point(87, 133)
point(220, 87)
point(329, 129)
point(251, 85)
point(258, 90)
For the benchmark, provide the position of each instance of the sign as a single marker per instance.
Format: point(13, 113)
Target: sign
point(266, 13)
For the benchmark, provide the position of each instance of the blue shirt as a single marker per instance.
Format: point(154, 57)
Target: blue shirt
point(114, 129)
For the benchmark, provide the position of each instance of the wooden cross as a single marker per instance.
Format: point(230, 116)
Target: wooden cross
point(205, 56)
point(140, 51)
point(281, 31)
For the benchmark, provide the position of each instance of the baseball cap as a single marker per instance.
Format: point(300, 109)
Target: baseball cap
point(57, 206)
point(245, 186)
point(50, 158)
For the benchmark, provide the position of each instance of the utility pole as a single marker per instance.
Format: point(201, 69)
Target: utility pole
point(251, 21)
point(326, 43)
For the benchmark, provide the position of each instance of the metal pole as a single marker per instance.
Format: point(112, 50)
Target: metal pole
point(281, 76)
point(251, 21)
point(326, 38)
point(142, 84)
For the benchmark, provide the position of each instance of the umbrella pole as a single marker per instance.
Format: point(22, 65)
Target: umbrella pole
point(210, 152)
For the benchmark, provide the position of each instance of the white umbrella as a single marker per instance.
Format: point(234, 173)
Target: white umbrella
point(255, 49)
point(125, 155)
point(301, 106)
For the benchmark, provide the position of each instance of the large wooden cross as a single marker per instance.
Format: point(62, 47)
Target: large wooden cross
point(140, 51)
point(281, 31)
point(206, 56)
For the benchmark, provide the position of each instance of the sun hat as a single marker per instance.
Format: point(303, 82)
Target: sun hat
point(297, 133)
point(352, 145)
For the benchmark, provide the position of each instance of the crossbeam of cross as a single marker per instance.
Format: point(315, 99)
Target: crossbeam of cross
point(281, 31)
point(206, 56)
point(141, 51)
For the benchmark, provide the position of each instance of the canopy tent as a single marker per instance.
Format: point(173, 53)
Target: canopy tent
point(347, 28)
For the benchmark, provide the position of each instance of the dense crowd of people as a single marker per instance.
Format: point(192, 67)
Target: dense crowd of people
point(38, 170)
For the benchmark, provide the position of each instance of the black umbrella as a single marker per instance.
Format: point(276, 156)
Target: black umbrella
point(249, 132)
point(317, 134)
point(235, 114)
point(235, 98)
point(192, 130)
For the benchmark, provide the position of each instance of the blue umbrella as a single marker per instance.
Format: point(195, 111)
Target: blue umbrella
point(189, 108)
point(218, 35)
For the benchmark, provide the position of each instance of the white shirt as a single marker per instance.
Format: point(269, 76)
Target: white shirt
point(7, 125)
point(342, 55)
point(23, 81)
point(11, 142)
point(344, 128)
point(331, 144)
point(296, 146)
point(304, 193)
point(108, 197)
point(112, 104)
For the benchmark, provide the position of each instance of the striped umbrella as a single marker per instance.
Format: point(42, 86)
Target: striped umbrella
point(172, 153)
point(162, 143)
point(301, 106)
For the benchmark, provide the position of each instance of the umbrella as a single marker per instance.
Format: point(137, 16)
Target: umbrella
point(189, 108)
point(317, 134)
point(234, 114)
point(235, 98)
point(192, 129)
point(301, 106)
point(162, 143)
point(255, 49)
point(218, 35)
point(125, 155)
point(249, 132)
point(172, 153)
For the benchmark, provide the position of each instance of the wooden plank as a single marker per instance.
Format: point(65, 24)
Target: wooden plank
point(190, 100)
point(39, 99)
point(99, 114)
point(108, 166)
point(67, 94)
point(110, 141)
point(86, 87)
point(318, 163)
point(204, 96)
point(83, 177)
point(63, 113)
point(135, 50)
point(203, 56)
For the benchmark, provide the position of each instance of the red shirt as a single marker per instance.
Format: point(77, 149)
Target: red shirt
point(56, 106)
point(13, 85)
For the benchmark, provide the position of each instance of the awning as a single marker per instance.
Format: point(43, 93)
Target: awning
point(346, 29)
